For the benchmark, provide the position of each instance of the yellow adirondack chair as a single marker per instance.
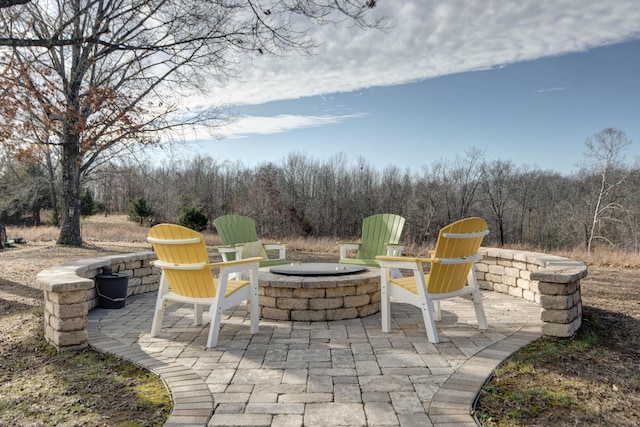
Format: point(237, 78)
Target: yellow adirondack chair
point(240, 240)
point(380, 236)
point(451, 275)
point(187, 278)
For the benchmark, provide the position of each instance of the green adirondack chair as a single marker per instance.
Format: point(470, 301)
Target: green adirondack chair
point(240, 239)
point(380, 236)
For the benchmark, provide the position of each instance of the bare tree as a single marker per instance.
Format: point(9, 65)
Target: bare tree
point(9, 3)
point(497, 182)
point(463, 179)
point(429, 199)
point(605, 159)
point(105, 76)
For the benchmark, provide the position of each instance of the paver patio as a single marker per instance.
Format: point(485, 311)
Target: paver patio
point(330, 373)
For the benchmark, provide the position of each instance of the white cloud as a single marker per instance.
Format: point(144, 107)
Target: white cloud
point(552, 89)
point(432, 38)
point(246, 125)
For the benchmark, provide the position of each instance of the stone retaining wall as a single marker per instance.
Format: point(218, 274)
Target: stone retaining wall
point(70, 292)
point(550, 281)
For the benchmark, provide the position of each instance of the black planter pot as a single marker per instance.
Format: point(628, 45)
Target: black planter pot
point(112, 288)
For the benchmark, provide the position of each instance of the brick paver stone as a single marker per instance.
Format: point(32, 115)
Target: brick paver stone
point(327, 373)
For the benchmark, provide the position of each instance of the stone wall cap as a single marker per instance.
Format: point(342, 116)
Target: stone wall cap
point(555, 269)
point(70, 276)
point(57, 279)
point(561, 273)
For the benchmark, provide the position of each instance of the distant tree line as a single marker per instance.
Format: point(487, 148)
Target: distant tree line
point(302, 196)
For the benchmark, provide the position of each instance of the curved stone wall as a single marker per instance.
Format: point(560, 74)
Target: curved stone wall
point(70, 292)
point(550, 281)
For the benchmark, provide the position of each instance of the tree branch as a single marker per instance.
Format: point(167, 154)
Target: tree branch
point(9, 3)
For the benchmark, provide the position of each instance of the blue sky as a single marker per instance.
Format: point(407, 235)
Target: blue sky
point(527, 81)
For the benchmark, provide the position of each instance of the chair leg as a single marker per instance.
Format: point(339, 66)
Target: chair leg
point(482, 320)
point(476, 297)
point(158, 316)
point(197, 314)
point(158, 313)
point(385, 303)
point(437, 312)
point(428, 310)
point(215, 312)
point(254, 305)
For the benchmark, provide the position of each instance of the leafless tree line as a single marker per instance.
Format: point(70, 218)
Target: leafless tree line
point(302, 196)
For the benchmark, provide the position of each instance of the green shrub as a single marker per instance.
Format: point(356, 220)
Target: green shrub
point(87, 205)
point(55, 216)
point(139, 210)
point(194, 218)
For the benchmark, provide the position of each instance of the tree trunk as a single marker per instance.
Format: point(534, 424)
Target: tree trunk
point(71, 142)
point(52, 177)
point(70, 209)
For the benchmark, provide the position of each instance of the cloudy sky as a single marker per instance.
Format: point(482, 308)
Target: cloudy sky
point(525, 80)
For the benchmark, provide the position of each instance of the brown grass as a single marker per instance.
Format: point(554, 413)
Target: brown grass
point(98, 229)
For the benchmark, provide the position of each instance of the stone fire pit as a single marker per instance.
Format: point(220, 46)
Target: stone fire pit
point(318, 292)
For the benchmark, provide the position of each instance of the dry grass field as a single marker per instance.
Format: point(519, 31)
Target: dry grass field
point(592, 379)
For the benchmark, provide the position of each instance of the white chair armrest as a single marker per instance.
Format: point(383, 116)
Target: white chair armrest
point(234, 249)
point(344, 247)
point(394, 250)
point(407, 263)
point(237, 265)
point(280, 247)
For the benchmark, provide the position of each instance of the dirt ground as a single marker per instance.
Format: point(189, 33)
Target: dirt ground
point(591, 380)
point(611, 300)
point(41, 387)
point(614, 295)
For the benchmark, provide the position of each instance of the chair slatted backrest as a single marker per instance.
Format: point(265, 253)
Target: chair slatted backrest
point(455, 253)
point(234, 229)
point(377, 232)
point(183, 254)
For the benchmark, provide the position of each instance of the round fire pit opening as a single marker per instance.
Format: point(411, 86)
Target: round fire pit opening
point(317, 269)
